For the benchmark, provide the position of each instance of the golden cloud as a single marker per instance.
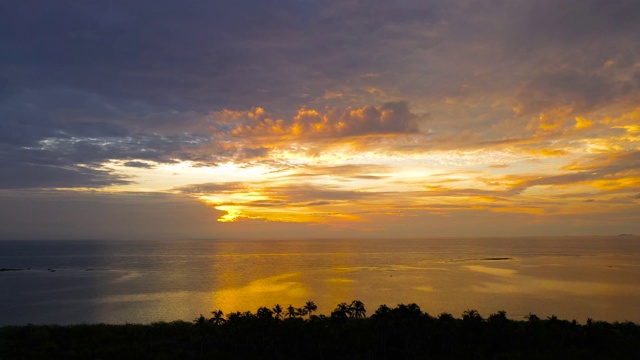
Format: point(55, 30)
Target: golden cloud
point(390, 118)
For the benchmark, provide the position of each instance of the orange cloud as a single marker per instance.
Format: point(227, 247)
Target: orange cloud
point(582, 123)
point(390, 118)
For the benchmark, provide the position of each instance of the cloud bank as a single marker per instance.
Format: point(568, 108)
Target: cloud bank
point(331, 114)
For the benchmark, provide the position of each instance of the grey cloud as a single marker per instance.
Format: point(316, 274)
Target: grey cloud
point(582, 91)
point(99, 215)
point(369, 177)
point(138, 164)
point(134, 81)
point(318, 203)
point(22, 175)
point(203, 55)
point(211, 188)
point(50, 162)
point(282, 55)
point(291, 194)
point(577, 21)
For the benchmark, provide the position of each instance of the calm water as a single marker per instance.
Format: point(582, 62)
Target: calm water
point(118, 282)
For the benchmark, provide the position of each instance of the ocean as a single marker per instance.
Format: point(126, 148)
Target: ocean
point(66, 282)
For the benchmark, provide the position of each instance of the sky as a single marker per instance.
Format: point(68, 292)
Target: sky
point(318, 119)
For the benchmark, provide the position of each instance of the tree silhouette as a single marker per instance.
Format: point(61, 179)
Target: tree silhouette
point(499, 318)
point(357, 309)
point(402, 332)
point(264, 313)
point(218, 317)
point(278, 311)
point(310, 307)
point(532, 318)
point(292, 312)
point(382, 310)
point(409, 310)
point(200, 320)
point(342, 311)
point(471, 316)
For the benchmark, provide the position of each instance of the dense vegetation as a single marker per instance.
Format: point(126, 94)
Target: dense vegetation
point(403, 332)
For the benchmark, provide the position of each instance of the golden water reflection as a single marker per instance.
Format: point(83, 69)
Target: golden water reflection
point(119, 282)
point(260, 292)
point(483, 276)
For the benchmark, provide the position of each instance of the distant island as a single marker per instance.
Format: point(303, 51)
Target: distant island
point(402, 332)
point(625, 234)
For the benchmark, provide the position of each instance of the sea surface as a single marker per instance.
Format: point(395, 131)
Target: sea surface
point(67, 282)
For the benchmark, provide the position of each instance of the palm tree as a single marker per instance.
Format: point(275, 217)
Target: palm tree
point(471, 315)
point(218, 317)
point(199, 320)
point(532, 318)
point(357, 309)
point(278, 311)
point(343, 310)
point(310, 307)
point(264, 313)
point(382, 310)
point(291, 312)
point(499, 317)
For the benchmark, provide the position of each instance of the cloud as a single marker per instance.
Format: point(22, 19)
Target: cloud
point(390, 118)
point(69, 161)
point(202, 189)
point(103, 215)
point(567, 92)
point(327, 109)
point(352, 171)
point(20, 175)
point(556, 23)
point(138, 164)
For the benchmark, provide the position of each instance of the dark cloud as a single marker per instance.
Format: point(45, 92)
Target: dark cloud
point(574, 22)
point(200, 52)
point(67, 161)
point(60, 134)
point(135, 81)
point(21, 175)
point(582, 91)
point(83, 83)
point(138, 164)
point(99, 215)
